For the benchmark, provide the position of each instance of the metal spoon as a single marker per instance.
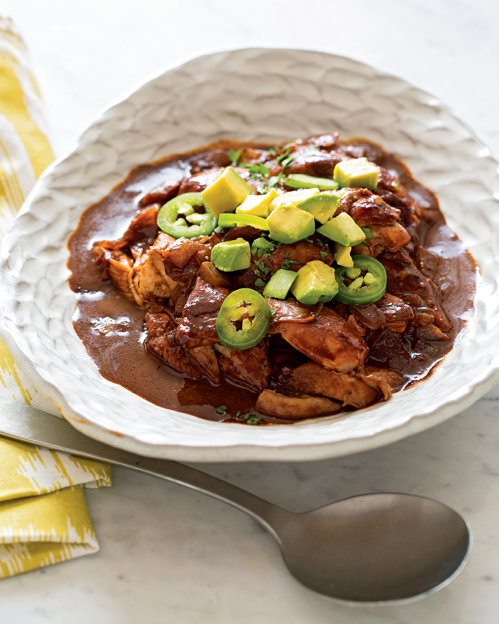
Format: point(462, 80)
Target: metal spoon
point(369, 549)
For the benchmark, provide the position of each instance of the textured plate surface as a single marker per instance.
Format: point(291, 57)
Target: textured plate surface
point(256, 95)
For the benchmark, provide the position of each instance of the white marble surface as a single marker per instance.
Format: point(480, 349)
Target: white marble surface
point(168, 555)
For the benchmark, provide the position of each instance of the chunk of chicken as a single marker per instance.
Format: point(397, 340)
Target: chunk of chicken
point(294, 407)
point(299, 254)
point(311, 378)
point(385, 238)
point(382, 380)
point(249, 365)
point(206, 358)
point(366, 208)
point(160, 340)
point(328, 340)
point(150, 280)
point(199, 316)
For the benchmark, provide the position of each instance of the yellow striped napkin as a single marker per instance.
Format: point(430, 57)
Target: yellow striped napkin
point(43, 514)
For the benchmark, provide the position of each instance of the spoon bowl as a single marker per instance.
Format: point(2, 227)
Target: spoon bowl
point(375, 548)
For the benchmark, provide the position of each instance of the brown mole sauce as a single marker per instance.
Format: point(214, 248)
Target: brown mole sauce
point(121, 355)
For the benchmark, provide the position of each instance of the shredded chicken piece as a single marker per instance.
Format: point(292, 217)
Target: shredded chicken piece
point(294, 407)
point(249, 365)
point(207, 360)
point(328, 340)
point(311, 378)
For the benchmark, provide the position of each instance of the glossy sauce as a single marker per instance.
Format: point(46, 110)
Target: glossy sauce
point(111, 327)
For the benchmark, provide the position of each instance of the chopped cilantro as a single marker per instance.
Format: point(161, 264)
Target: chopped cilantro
point(274, 180)
point(324, 254)
point(309, 240)
point(271, 151)
point(395, 186)
point(257, 272)
point(253, 420)
point(260, 283)
point(294, 262)
point(259, 169)
point(262, 267)
point(234, 156)
point(237, 415)
point(368, 232)
point(262, 247)
point(246, 416)
point(287, 162)
point(283, 156)
point(220, 409)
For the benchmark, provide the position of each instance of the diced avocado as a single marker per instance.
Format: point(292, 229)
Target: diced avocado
point(227, 192)
point(300, 180)
point(279, 284)
point(343, 229)
point(289, 224)
point(357, 172)
point(322, 206)
point(257, 205)
point(315, 282)
point(231, 255)
point(293, 197)
point(342, 255)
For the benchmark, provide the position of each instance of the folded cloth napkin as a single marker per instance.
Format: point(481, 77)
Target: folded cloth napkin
point(43, 514)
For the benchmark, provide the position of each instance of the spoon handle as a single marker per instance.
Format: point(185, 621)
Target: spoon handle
point(29, 424)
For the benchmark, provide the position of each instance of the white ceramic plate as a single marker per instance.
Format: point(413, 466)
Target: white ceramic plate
point(256, 95)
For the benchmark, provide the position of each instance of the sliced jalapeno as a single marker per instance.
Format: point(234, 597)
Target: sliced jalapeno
point(231, 220)
point(178, 218)
point(243, 320)
point(368, 286)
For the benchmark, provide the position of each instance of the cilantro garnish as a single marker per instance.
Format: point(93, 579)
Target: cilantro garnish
point(253, 420)
point(287, 162)
point(262, 267)
point(259, 169)
point(257, 272)
point(395, 186)
point(274, 180)
point(324, 254)
point(271, 151)
point(260, 283)
point(283, 156)
point(234, 156)
point(368, 232)
point(220, 409)
point(262, 247)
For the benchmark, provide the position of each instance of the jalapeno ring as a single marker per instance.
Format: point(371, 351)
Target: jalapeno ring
point(362, 289)
point(178, 219)
point(243, 320)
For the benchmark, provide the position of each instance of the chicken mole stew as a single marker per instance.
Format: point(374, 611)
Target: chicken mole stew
point(265, 284)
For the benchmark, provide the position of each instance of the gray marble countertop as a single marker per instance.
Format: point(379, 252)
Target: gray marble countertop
point(168, 554)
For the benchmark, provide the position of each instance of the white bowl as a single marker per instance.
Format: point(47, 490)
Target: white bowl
point(256, 95)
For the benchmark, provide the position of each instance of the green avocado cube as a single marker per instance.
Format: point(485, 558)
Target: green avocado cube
point(279, 284)
point(292, 197)
point(343, 256)
point(257, 205)
point(227, 192)
point(343, 229)
point(233, 255)
point(322, 206)
point(300, 180)
point(315, 282)
point(357, 172)
point(289, 224)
